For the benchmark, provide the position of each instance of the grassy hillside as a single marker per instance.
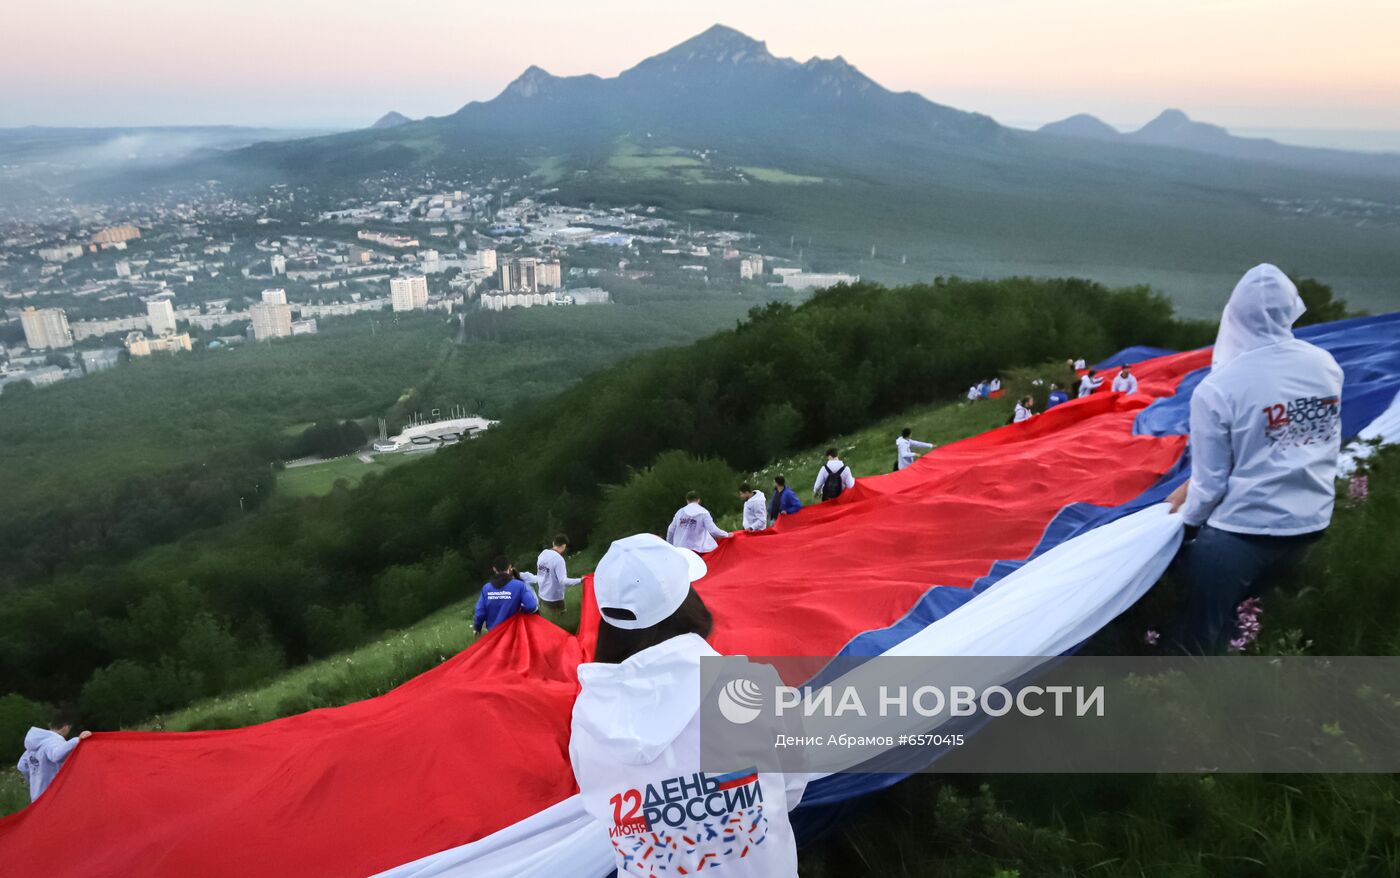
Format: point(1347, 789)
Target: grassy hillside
point(316, 479)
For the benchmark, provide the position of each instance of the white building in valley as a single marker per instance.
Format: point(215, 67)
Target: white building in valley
point(806, 280)
point(408, 293)
point(45, 328)
point(160, 315)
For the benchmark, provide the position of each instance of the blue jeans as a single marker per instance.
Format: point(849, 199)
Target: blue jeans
point(1221, 570)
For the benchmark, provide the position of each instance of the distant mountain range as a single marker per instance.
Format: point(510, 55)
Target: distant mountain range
point(722, 91)
point(722, 80)
point(1173, 128)
point(720, 127)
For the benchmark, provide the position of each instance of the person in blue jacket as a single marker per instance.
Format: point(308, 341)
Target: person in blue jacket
point(784, 500)
point(1056, 397)
point(503, 595)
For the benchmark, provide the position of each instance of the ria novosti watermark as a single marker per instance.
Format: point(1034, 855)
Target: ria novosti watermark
point(1056, 714)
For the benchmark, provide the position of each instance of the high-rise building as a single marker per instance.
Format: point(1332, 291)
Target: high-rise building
point(271, 320)
point(482, 260)
point(529, 275)
point(275, 296)
point(548, 276)
point(750, 267)
point(45, 328)
point(279, 264)
point(160, 314)
point(408, 293)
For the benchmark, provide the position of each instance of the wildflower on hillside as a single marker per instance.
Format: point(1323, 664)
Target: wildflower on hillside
point(1246, 624)
point(1358, 488)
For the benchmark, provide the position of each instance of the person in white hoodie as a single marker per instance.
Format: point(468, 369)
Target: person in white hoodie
point(755, 508)
point(45, 751)
point(1025, 409)
point(904, 447)
point(1265, 436)
point(694, 528)
point(1089, 383)
point(1125, 381)
point(552, 575)
point(635, 742)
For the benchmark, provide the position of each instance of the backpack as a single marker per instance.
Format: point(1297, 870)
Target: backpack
point(833, 486)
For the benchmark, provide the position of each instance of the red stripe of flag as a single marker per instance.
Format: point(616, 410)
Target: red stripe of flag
point(738, 781)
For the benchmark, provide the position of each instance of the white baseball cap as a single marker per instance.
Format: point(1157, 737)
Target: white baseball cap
point(646, 576)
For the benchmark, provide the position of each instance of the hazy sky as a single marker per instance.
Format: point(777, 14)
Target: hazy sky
point(342, 63)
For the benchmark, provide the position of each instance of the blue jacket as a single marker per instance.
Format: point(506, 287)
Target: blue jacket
point(1056, 397)
point(499, 603)
point(784, 502)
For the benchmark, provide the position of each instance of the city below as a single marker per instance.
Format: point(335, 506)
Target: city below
point(212, 272)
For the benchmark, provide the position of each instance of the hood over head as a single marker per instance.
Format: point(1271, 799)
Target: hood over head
point(1261, 311)
point(636, 709)
point(36, 737)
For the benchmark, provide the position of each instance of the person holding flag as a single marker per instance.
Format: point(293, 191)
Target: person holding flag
point(635, 738)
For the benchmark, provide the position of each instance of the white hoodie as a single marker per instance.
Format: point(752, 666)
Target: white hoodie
point(552, 575)
point(1125, 383)
point(1266, 422)
point(635, 749)
point(694, 528)
point(756, 512)
point(904, 451)
point(44, 754)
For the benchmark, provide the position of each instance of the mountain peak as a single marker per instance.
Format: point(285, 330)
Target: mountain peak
point(1175, 127)
point(723, 38)
point(534, 80)
point(391, 119)
point(1082, 125)
point(1170, 118)
point(717, 45)
point(838, 76)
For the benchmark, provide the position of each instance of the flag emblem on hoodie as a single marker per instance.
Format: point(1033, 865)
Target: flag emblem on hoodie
point(688, 823)
point(1303, 421)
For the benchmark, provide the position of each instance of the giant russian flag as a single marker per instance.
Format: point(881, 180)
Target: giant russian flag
point(1021, 541)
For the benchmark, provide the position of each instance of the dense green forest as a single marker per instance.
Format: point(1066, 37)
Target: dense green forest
point(104, 466)
point(224, 608)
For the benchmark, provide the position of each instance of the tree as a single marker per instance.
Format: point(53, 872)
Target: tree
point(648, 499)
point(17, 714)
point(1322, 304)
point(329, 439)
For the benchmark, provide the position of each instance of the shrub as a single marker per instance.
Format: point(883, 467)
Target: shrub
point(648, 499)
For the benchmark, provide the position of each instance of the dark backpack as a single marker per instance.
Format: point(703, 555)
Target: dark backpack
point(833, 486)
